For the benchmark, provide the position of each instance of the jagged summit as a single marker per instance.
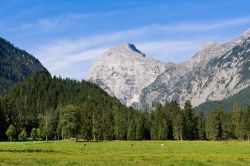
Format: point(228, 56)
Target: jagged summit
point(127, 48)
point(132, 46)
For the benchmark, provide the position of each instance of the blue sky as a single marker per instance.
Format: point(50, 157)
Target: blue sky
point(68, 35)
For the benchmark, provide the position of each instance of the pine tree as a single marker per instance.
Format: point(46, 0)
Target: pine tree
point(201, 126)
point(227, 126)
point(188, 117)
point(178, 126)
point(246, 123)
point(237, 121)
point(131, 134)
point(214, 128)
point(153, 127)
point(140, 128)
point(120, 128)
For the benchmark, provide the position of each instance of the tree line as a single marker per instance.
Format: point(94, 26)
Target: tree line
point(45, 108)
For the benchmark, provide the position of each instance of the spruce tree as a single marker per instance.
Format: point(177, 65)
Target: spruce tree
point(237, 121)
point(140, 128)
point(201, 126)
point(188, 117)
point(131, 134)
point(214, 128)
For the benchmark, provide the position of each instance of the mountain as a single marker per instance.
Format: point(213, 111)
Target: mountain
point(15, 65)
point(123, 72)
point(214, 73)
point(242, 99)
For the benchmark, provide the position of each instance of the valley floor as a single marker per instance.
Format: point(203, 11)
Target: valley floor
point(122, 153)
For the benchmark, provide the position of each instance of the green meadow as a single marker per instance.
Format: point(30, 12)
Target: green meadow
point(125, 153)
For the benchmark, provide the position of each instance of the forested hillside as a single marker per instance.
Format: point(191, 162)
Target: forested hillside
point(43, 107)
point(15, 65)
point(42, 98)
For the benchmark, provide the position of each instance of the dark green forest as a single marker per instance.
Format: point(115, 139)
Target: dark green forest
point(45, 108)
point(15, 65)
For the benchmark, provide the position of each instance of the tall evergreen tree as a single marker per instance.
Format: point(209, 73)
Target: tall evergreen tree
point(237, 121)
point(201, 126)
point(189, 118)
point(214, 128)
point(140, 128)
point(178, 126)
point(246, 123)
point(131, 134)
point(227, 126)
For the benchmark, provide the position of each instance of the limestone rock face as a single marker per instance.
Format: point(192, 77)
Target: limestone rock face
point(123, 72)
point(216, 72)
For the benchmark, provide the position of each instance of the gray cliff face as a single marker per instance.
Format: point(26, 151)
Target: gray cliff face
point(123, 72)
point(216, 72)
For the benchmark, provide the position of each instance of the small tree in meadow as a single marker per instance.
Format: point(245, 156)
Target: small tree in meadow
point(23, 135)
point(11, 132)
point(34, 134)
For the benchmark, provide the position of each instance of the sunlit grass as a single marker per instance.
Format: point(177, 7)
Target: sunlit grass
point(122, 153)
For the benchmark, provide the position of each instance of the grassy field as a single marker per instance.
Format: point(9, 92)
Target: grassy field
point(121, 153)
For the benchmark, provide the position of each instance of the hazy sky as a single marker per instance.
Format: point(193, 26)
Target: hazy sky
point(67, 35)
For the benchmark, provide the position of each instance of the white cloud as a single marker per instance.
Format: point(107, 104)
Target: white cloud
point(203, 26)
point(154, 40)
point(59, 22)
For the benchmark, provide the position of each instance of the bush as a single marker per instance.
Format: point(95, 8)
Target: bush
point(11, 132)
point(23, 135)
point(34, 134)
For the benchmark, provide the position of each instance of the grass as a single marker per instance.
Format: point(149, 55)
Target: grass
point(121, 153)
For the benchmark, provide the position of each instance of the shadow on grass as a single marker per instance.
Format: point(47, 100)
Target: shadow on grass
point(28, 151)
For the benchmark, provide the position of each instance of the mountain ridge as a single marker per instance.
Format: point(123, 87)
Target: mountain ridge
point(215, 72)
point(15, 65)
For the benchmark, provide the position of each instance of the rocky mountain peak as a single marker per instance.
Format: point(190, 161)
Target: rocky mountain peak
point(127, 49)
point(123, 71)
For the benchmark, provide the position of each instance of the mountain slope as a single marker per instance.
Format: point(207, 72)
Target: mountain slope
point(15, 65)
point(124, 71)
point(214, 73)
point(241, 98)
